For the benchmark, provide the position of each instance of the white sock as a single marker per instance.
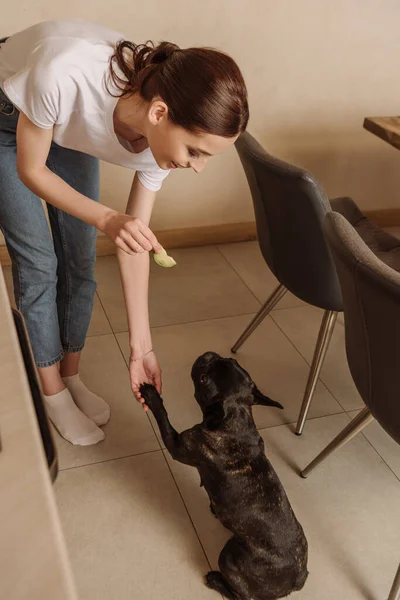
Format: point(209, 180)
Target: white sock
point(92, 405)
point(71, 423)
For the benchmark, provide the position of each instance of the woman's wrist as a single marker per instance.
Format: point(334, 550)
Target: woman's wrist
point(140, 348)
point(140, 357)
point(103, 217)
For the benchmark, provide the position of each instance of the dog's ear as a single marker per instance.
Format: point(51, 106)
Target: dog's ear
point(259, 398)
point(214, 414)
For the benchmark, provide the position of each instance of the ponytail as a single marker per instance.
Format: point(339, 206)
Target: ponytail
point(202, 87)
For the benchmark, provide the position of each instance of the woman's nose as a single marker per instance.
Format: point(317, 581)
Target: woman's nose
point(199, 164)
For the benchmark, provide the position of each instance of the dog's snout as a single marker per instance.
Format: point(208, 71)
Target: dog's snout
point(209, 357)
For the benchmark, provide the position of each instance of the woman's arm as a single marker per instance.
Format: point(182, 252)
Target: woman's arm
point(135, 282)
point(33, 146)
point(135, 274)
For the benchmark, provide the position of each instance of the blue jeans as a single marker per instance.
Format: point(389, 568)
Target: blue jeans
point(53, 272)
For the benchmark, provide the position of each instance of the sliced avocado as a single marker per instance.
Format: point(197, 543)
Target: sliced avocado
point(163, 260)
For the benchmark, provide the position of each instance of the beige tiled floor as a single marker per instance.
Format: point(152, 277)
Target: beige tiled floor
point(201, 287)
point(138, 524)
point(248, 262)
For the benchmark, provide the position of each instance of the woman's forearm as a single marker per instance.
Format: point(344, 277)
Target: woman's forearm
point(135, 274)
point(135, 280)
point(54, 190)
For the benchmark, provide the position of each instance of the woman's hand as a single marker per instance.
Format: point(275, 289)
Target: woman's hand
point(130, 234)
point(145, 370)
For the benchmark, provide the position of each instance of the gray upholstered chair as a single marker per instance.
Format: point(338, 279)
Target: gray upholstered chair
point(290, 207)
point(370, 282)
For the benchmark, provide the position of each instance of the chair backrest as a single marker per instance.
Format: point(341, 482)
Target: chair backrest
point(371, 304)
point(290, 208)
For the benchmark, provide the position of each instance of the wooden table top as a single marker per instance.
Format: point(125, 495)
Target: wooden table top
point(386, 128)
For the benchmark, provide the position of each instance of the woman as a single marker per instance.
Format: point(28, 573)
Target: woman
point(72, 93)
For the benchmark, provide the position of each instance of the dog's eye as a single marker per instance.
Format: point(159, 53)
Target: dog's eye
point(203, 378)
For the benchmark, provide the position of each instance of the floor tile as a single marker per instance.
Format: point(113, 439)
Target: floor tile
point(248, 262)
point(126, 539)
point(128, 432)
point(352, 534)
point(383, 444)
point(212, 534)
point(301, 325)
point(99, 323)
point(276, 367)
point(201, 286)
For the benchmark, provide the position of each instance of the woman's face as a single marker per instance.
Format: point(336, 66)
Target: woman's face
point(175, 147)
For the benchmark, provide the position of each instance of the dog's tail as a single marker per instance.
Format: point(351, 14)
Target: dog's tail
point(261, 399)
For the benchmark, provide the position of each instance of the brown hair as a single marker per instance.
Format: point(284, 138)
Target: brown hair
point(202, 87)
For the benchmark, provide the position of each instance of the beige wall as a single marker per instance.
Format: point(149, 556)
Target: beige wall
point(314, 69)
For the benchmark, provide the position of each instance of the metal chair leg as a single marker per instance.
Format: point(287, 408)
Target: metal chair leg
point(395, 590)
point(324, 337)
point(351, 430)
point(260, 316)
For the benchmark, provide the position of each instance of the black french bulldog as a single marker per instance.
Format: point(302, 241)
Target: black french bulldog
point(266, 558)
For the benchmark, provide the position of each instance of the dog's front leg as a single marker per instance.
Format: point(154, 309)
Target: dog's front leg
point(174, 442)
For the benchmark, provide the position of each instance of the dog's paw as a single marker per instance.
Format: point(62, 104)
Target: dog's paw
point(215, 581)
point(212, 578)
point(150, 395)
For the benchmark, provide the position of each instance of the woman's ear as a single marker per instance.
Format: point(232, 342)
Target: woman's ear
point(214, 415)
point(157, 112)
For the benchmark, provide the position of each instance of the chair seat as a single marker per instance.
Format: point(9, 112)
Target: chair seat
point(385, 246)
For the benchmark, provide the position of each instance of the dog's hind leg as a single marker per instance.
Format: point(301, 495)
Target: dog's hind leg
point(234, 562)
point(215, 581)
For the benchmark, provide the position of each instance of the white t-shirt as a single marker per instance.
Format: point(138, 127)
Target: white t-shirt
point(56, 72)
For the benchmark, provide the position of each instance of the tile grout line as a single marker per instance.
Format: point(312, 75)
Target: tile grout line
point(186, 508)
point(163, 449)
point(178, 323)
point(238, 274)
point(115, 333)
point(245, 314)
point(261, 302)
point(104, 310)
point(294, 423)
point(259, 429)
point(100, 462)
